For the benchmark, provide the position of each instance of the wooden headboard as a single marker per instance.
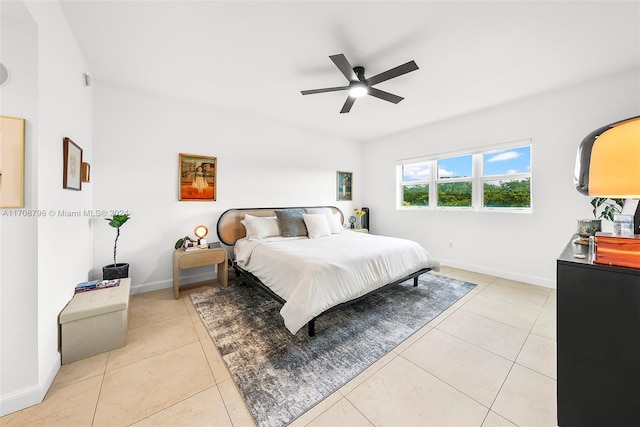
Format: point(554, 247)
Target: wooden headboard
point(230, 229)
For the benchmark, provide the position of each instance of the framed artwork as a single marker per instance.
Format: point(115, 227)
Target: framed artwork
point(72, 167)
point(197, 178)
point(85, 175)
point(11, 162)
point(344, 180)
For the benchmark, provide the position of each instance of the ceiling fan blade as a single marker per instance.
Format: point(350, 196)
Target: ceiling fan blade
point(327, 89)
point(348, 104)
point(385, 95)
point(344, 67)
point(394, 72)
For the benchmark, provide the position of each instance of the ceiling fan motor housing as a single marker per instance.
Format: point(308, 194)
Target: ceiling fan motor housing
point(359, 73)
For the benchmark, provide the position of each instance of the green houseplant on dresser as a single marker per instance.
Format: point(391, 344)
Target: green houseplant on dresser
point(116, 270)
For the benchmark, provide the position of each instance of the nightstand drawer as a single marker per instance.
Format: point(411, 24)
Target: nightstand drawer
point(202, 258)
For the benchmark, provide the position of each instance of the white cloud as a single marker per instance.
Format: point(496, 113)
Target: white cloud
point(445, 173)
point(507, 155)
point(417, 172)
point(512, 171)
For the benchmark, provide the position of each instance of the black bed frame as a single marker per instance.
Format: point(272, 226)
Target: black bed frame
point(312, 323)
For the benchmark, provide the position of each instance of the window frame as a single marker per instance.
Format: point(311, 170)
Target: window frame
point(454, 180)
point(477, 179)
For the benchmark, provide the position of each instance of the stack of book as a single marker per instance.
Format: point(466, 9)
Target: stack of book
point(96, 284)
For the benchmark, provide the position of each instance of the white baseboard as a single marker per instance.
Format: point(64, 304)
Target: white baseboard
point(32, 395)
point(534, 280)
point(163, 284)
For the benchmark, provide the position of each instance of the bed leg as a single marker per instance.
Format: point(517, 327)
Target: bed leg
point(415, 281)
point(312, 327)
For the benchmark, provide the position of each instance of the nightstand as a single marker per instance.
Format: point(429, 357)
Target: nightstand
point(359, 230)
point(201, 257)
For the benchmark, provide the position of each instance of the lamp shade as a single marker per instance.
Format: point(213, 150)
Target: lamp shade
point(608, 161)
point(201, 231)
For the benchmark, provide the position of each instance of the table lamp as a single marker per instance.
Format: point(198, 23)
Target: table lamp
point(608, 163)
point(201, 232)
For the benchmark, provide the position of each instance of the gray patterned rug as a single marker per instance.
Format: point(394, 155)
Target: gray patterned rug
point(280, 375)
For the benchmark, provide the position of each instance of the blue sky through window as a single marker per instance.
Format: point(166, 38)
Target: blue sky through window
point(455, 167)
point(415, 172)
point(507, 161)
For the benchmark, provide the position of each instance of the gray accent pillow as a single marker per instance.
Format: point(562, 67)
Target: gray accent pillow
point(291, 222)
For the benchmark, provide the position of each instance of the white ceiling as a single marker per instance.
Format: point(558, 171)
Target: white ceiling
point(255, 57)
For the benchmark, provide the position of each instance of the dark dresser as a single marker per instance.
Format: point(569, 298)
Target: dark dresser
point(598, 337)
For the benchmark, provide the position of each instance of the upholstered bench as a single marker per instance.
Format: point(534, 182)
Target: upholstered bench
point(94, 322)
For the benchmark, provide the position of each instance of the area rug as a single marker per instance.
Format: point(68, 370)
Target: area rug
point(281, 376)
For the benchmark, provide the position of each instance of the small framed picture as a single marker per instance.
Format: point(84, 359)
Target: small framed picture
point(197, 178)
point(86, 172)
point(344, 182)
point(72, 167)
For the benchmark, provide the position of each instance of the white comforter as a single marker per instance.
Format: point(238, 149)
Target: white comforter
point(313, 275)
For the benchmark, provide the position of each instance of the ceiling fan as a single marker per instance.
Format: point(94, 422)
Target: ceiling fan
point(360, 86)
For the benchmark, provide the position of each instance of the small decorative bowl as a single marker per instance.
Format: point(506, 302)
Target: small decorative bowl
point(589, 227)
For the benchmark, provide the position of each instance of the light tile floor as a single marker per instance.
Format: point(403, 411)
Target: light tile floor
point(489, 360)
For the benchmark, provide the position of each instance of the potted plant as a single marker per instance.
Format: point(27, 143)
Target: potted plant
point(116, 270)
point(611, 207)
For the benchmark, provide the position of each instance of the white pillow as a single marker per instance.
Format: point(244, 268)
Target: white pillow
point(260, 227)
point(333, 219)
point(317, 225)
point(247, 216)
point(335, 224)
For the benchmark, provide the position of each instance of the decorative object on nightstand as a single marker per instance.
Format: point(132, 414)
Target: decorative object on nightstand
point(359, 217)
point(587, 228)
point(366, 218)
point(199, 258)
point(201, 232)
point(352, 220)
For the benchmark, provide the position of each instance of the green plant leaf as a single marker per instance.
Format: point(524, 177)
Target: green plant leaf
point(179, 243)
point(118, 220)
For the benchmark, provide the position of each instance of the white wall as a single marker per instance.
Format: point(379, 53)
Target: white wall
point(56, 254)
point(18, 259)
point(517, 246)
point(137, 140)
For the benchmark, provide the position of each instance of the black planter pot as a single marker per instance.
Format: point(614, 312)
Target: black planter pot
point(118, 271)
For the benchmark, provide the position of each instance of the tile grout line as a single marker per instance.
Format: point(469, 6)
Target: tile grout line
point(104, 374)
point(450, 385)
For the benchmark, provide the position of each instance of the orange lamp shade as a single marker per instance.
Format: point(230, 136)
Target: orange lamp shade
point(608, 163)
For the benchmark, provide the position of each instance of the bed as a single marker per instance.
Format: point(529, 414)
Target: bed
point(313, 274)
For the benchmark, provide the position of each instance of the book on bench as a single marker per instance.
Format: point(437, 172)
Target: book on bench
point(96, 284)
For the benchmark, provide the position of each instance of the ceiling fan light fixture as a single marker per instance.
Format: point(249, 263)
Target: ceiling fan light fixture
point(358, 89)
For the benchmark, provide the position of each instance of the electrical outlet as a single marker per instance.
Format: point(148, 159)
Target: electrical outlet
point(450, 244)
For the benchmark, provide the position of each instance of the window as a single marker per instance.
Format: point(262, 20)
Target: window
point(415, 184)
point(506, 178)
point(454, 181)
point(493, 178)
